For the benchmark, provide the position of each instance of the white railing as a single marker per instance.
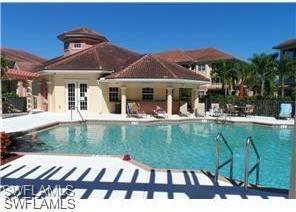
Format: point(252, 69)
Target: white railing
point(78, 111)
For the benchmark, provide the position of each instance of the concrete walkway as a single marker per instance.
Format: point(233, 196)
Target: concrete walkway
point(111, 177)
point(33, 121)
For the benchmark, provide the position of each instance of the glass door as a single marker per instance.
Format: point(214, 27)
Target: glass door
point(82, 96)
point(71, 96)
point(77, 96)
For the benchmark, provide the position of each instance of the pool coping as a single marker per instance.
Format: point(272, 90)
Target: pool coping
point(146, 167)
point(146, 122)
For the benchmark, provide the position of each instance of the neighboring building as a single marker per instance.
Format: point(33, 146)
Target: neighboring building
point(288, 49)
point(199, 61)
point(18, 79)
point(99, 77)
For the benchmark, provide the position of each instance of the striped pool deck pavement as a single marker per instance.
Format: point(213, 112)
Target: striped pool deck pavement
point(110, 177)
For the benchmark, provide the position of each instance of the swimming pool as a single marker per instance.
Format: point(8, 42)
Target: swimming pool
point(188, 145)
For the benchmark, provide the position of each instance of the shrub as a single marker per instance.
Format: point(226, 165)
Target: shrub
point(9, 94)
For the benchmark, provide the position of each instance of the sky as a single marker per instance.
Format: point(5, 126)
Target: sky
point(238, 29)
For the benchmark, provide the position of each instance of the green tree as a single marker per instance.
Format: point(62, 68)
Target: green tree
point(286, 68)
point(226, 72)
point(244, 76)
point(264, 67)
point(6, 63)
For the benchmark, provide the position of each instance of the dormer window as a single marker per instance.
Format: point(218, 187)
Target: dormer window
point(77, 46)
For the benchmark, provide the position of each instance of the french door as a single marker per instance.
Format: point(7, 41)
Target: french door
point(77, 95)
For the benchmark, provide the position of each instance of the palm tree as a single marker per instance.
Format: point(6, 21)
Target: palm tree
point(264, 66)
point(244, 75)
point(225, 71)
point(286, 68)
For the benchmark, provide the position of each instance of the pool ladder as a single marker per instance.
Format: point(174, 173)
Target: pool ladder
point(220, 138)
point(78, 111)
point(250, 143)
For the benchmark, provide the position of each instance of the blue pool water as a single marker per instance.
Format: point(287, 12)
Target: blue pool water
point(182, 145)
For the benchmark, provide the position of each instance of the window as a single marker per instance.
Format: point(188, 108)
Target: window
point(201, 67)
point(147, 93)
point(290, 53)
point(201, 94)
point(77, 45)
point(66, 45)
point(113, 95)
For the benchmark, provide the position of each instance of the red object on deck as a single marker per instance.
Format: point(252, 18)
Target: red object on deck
point(126, 157)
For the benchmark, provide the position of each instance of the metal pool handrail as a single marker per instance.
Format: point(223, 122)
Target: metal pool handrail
point(220, 138)
point(250, 143)
point(73, 108)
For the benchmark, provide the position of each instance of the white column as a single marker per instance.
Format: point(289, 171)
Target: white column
point(123, 101)
point(39, 98)
point(29, 96)
point(195, 100)
point(50, 99)
point(169, 101)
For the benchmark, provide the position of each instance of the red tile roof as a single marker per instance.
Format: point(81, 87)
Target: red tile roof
point(20, 56)
point(105, 56)
point(285, 44)
point(24, 61)
point(198, 55)
point(176, 56)
point(208, 54)
point(155, 67)
point(82, 33)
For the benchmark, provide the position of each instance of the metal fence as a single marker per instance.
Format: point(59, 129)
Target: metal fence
point(263, 107)
point(14, 104)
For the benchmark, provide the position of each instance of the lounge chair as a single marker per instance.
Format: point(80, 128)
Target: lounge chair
point(232, 110)
point(249, 110)
point(215, 110)
point(159, 112)
point(183, 111)
point(139, 110)
point(286, 111)
point(131, 112)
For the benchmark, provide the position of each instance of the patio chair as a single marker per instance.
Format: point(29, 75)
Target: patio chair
point(286, 111)
point(232, 110)
point(215, 110)
point(159, 112)
point(183, 111)
point(249, 110)
point(139, 110)
point(131, 112)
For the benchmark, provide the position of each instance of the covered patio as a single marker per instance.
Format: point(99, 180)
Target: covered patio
point(150, 82)
point(23, 83)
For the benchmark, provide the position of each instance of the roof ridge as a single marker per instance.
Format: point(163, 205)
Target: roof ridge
point(198, 74)
point(133, 63)
point(163, 65)
point(72, 55)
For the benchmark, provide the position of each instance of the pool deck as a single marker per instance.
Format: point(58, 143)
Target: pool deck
point(43, 119)
point(108, 177)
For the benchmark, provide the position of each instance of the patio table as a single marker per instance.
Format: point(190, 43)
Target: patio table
point(241, 110)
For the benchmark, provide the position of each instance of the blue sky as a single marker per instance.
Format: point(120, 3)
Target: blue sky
point(239, 29)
